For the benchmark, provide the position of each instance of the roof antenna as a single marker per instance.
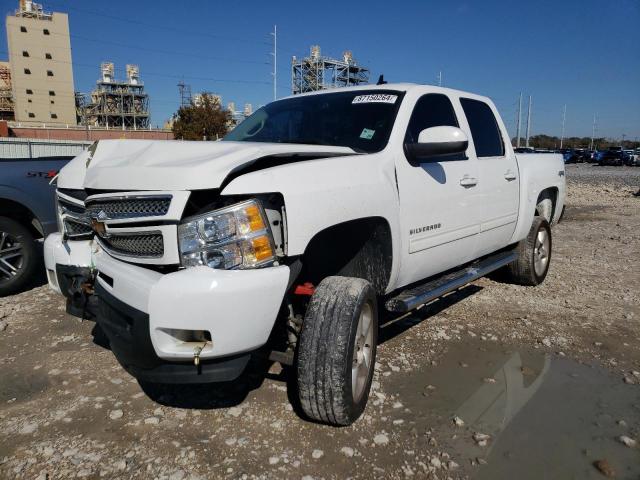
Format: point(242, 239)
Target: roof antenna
point(381, 80)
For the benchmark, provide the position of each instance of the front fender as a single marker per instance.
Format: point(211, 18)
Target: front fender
point(325, 192)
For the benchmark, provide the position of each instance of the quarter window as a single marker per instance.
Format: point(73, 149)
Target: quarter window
point(431, 110)
point(484, 128)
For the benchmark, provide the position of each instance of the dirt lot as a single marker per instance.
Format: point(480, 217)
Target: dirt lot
point(495, 381)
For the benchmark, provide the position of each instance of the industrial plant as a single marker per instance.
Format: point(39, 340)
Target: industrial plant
point(116, 103)
point(317, 72)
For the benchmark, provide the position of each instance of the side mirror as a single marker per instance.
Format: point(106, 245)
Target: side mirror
point(438, 144)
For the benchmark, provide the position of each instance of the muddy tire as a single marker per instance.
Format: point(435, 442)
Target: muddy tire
point(534, 256)
point(545, 207)
point(337, 350)
point(20, 257)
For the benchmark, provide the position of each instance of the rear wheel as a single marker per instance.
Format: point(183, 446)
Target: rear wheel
point(337, 350)
point(19, 257)
point(534, 255)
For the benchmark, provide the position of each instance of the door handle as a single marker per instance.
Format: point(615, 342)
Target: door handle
point(468, 181)
point(509, 176)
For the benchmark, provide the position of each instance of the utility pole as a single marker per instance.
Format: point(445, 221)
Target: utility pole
point(275, 61)
point(593, 131)
point(440, 78)
point(518, 121)
point(528, 122)
point(564, 117)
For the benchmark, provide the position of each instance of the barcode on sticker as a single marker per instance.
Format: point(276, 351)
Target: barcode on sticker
point(375, 98)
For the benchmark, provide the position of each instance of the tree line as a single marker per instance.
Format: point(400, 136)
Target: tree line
point(552, 143)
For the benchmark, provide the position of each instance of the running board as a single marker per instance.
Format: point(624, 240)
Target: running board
point(409, 299)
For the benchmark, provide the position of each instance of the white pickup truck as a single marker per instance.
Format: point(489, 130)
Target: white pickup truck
point(288, 236)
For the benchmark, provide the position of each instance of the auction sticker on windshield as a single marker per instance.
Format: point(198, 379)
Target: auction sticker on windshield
point(375, 98)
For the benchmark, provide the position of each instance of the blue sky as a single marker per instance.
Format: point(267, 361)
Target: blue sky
point(585, 54)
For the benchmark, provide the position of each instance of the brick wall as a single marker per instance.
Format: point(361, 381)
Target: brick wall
point(81, 134)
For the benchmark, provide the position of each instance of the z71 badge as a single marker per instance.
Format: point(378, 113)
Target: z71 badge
point(426, 228)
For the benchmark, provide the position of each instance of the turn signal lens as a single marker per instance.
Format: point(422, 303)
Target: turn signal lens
point(252, 221)
point(262, 248)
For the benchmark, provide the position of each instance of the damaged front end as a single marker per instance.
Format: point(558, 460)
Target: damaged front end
point(77, 285)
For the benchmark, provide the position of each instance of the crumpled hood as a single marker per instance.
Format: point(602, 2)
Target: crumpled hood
point(180, 165)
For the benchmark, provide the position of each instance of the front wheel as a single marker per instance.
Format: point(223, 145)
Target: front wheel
point(534, 255)
point(337, 350)
point(19, 257)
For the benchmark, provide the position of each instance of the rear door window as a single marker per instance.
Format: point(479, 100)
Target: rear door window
point(484, 128)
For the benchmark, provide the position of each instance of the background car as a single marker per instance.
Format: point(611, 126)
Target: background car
point(613, 156)
point(569, 155)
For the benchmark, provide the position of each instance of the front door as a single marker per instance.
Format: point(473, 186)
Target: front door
point(439, 207)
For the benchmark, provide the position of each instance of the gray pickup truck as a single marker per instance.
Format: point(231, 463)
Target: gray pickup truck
point(27, 216)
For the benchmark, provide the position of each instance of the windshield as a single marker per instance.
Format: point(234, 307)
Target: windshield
point(359, 119)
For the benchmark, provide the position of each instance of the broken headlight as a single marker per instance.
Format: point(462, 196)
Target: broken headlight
point(73, 221)
point(237, 236)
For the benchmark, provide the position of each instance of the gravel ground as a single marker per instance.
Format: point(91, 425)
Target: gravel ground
point(569, 348)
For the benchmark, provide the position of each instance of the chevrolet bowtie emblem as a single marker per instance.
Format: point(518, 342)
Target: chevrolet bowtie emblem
point(99, 228)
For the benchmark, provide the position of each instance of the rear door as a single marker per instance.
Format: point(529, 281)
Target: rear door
point(498, 176)
point(438, 198)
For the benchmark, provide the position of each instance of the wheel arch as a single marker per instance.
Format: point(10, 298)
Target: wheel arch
point(551, 194)
point(21, 214)
point(361, 248)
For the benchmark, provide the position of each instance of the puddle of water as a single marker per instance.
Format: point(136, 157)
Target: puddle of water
point(548, 417)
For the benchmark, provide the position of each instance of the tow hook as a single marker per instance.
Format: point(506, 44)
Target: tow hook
point(196, 353)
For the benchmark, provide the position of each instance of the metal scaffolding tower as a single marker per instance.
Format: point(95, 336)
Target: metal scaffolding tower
point(30, 9)
point(118, 104)
point(316, 72)
point(185, 94)
point(6, 95)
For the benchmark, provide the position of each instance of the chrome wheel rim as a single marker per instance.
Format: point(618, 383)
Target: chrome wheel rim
point(11, 256)
point(541, 252)
point(362, 350)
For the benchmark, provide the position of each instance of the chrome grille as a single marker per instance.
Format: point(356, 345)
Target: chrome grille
point(75, 228)
point(139, 244)
point(129, 207)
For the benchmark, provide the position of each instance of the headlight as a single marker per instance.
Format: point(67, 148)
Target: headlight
point(232, 237)
point(72, 219)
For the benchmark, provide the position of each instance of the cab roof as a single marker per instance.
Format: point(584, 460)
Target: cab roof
point(402, 87)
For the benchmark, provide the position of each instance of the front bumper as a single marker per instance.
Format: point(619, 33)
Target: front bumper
point(236, 309)
point(127, 330)
point(70, 272)
point(69, 254)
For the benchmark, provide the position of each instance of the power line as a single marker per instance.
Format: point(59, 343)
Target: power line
point(528, 122)
point(161, 27)
point(156, 74)
point(518, 122)
point(159, 51)
point(564, 117)
point(275, 62)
